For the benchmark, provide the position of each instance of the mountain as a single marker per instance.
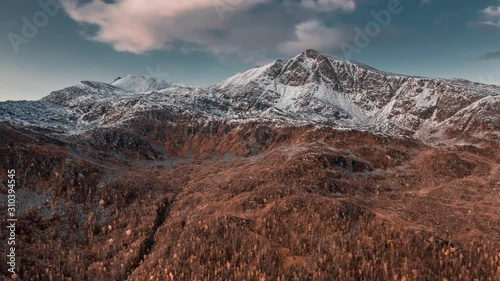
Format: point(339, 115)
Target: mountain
point(309, 88)
point(311, 168)
point(332, 91)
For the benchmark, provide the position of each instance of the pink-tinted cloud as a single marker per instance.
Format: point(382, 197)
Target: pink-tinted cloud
point(219, 26)
point(139, 26)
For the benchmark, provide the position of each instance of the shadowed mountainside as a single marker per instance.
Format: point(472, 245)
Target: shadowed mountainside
point(252, 202)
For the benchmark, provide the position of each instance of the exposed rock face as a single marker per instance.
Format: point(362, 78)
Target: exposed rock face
point(311, 168)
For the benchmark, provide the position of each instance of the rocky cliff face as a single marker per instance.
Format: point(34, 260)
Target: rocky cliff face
point(311, 168)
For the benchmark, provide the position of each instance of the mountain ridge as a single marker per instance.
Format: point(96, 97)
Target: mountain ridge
point(310, 87)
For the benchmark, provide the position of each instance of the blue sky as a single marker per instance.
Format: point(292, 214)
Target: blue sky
point(200, 42)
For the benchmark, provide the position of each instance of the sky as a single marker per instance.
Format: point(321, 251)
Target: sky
point(47, 45)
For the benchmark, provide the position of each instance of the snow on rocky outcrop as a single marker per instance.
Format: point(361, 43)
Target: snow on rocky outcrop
point(139, 84)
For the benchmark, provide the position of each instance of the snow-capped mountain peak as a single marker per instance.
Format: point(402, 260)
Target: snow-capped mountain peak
point(139, 84)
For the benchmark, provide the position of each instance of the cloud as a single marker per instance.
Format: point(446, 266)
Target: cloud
point(137, 27)
point(329, 5)
point(492, 11)
point(238, 29)
point(491, 56)
point(314, 35)
point(491, 16)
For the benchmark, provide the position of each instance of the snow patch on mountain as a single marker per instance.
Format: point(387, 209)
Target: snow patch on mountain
point(140, 84)
point(43, 114)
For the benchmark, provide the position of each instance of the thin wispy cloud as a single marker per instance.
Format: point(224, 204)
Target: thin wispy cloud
point(329, 5)
point(491, 56)
point(491, 16)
